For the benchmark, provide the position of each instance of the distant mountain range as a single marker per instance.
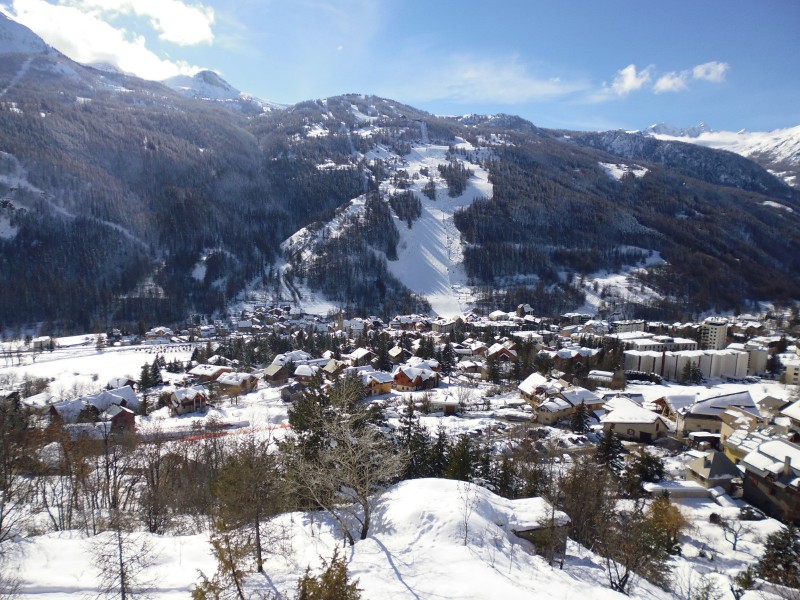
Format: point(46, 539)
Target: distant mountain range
point(777, 151)
point(124, 200)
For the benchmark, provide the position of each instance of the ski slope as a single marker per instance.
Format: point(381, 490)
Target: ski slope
point(430, 254)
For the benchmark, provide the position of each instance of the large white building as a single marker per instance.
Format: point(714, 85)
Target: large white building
point(714, 333)
point(713, 364)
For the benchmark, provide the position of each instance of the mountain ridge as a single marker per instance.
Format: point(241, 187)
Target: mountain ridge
point(122, 186)
point(777, 151)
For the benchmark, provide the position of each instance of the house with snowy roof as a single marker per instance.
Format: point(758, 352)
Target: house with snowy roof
point(501, 353)
point(377, 382)
point(552, 410)
point(208, 372)
point(576, 395)
point(295, 356)
point(398, 354)
point(771, 479)
point(333, 368)
point(235, 384)
point(187, 400)
point(792, 412)
point(414, 379)
point(533, 385)
point(706, 415)
point(122, 419)
point(305, 373)
point(630, 421)
point(713, 469)
point(359, 357)
point(276, 374)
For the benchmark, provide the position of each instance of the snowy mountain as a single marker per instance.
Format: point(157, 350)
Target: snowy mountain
point(124, 186)
point(16, 38)
point(670, 130)
point(205, 84)
point(208, 85)
point(777, 150)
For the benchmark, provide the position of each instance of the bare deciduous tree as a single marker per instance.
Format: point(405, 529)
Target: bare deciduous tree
point(345, 473)
point(122, 558)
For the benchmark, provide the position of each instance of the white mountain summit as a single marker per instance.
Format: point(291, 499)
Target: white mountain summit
point(778, 151)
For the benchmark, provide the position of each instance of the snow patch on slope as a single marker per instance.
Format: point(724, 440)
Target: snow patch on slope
point(7, 230)
point(777, 205)
point(605, 289)
point(618, 171)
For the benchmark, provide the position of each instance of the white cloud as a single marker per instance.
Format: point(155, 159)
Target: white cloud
point(470, 79)
point(713, 71)
point(629, 80)
point(175, 21)
point(87, 38)
point(672, 82)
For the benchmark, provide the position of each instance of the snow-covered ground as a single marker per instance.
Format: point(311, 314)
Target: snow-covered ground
point(416, 545)
point(430, 538)
point(81, 368)
point(416, 549)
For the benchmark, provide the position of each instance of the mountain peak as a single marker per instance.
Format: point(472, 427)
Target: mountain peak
point(16, 38)
point(671, 130)
point(203, 84)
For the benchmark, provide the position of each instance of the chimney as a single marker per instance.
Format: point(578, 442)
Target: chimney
point(787, 465)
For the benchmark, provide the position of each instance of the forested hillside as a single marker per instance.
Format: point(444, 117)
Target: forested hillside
point(122, 200)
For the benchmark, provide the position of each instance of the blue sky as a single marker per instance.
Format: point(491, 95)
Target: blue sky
point(582, 64)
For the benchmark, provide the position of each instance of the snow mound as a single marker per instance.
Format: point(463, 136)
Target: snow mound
point(436, 505)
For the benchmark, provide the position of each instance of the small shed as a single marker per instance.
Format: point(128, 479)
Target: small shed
point(447, 404)
point(292, 392)
point(535, 520)
point(276, 374)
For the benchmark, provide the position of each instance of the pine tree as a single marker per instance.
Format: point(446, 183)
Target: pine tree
point(332, 584)
point(233, 553)
point(505, 483)
point(780, 562)
point(440, 453)
point(145, 380)
point(414, 441)
point(609, 452)
point(448, 358)
point(461, 460)
point(383, 362)
point(579, 422)
point(493, 369)
point(155, 372)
